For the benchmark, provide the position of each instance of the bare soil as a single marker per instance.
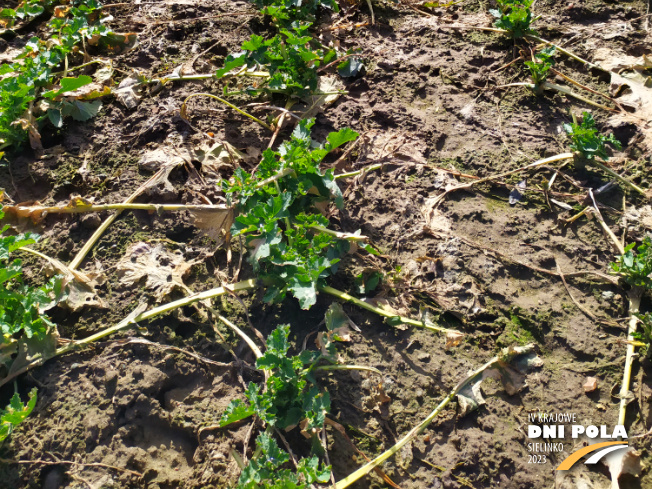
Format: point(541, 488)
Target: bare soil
point(426, 108)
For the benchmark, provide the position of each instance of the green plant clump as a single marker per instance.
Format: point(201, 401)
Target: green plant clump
point(21, 82)
point(24, 11)
point(540, 66)
point(586, 139)
point(22, 307)
point(293, 249)
point(15, 413)
point(635, 268)
point(290, 399)
point(289, 58)
point(514, 16)
point(287, 12)
point(265, 471)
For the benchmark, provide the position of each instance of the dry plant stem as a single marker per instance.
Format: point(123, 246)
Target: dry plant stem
point(605, 277)
point(79, 258)
point(364, 470)
point(130, 320)
point(68, 272)
point(207, 17)
point(242, 335)
point(339, 235)
point(328, 368)
point(279, 125)
point(381, 312)
point(366, 169)
point(558, 88)
point(545, 161)
point(562, 50)
point(67, 209)
point(342, 431)
point(228, 104)
point(635, 295)
point(68, 462)
point(614, 240)
point(199, 358)
point(579, 306)
point(618, 177)
point(371, 9)
point(583, 87)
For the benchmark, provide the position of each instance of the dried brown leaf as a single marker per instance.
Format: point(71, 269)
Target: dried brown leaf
point(163, 270)
point(216, 156)
point(127, 92)
point(215, 223)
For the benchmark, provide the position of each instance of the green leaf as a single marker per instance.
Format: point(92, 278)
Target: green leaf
point(350, 67)
point(55, 117)
point(70, 85)
point(236, 411)
point(81, 111)
point(277, 341)
point(15, 413)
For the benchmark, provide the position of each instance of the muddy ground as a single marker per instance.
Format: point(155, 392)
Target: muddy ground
point(426, 104)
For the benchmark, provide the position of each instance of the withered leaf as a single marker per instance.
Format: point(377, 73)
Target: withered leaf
point(163, 270)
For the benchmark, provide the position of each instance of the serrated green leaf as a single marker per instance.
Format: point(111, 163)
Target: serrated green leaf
point(236, 411)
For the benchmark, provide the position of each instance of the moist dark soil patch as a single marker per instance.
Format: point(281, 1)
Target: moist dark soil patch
point(426, 108)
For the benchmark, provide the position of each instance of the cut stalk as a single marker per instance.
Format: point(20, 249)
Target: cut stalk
point(78, 209)
point(133, 318)
point(544, 161)
point(228, 104)
point(558, 88)
point(532, 37)
point(366, 169)
point(242, 335)
point(635, 295)
point(79, 258)
point(618, 177)
point(381, 312)
point(505, 357)
point(338, 234)
point(329, 368)
point(567, 91)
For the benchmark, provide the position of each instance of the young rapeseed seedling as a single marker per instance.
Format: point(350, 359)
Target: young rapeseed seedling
point(540, 67)
point(265, 471)
point(586, 139)
point(21, 82)
point(635, 269)
point(288, 12)
point(514, 16)
point(288, 57)
point(290, 398)
point(292, 249)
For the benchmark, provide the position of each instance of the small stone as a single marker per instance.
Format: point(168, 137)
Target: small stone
point(423, 357)
point(590, 385)
point(91, 221)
